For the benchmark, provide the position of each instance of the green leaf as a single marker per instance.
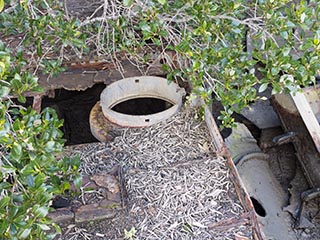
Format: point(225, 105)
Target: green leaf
point(39, 48)
point(290, 24)
point(78, 181)
point(127, 3)
point(74, 161)
point(3, 226)
point(130, 234)
point(25, 233)
point(4, 202)
point(13, 230)
point(196, 65)
point(17, 77)
point(275, 71)
point(303, 17)
point(284, 34)
point(39, 179)
point(44, 227)
point(18, 198)
point(4, 91)
point(2, 68)
point(16, 151)
point(41, 211)
point(77, 42)
point(57, 228)
point(263, 87)
point(5, 139)
point(286, 51)
point(30, 180)
point(1, 5)
point(27, 170)
point(37, 89)
point(8, 169)
point(65, 186)
point(55, 180)
point(16, 84)
point(162, 1)
point(50, 146)
point(145, 27)
point(5, 185)
point(22, 99)
point(236, 30)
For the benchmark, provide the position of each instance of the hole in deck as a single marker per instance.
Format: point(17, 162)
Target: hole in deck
point(74, 108)
point(142, 106)
point(258, 208)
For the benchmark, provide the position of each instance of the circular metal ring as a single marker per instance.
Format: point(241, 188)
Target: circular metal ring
point(140, 87)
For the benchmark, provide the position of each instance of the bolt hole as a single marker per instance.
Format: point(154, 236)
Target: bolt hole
point(136, 81)
point(258, 208)
point(147, 120)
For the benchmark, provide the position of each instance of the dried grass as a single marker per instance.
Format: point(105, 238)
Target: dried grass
point(176, 185)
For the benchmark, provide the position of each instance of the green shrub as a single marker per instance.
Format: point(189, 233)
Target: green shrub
point(208, 38)
point(30, 174)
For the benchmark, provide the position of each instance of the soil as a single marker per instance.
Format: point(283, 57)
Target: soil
point(97, 230)
point(282, 159)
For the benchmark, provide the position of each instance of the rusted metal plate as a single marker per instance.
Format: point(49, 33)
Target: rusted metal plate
point(82, 76)
point(307, 152)
point(101, 128)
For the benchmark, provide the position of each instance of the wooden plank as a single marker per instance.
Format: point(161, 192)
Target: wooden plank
point(242, 193)
point(308, 117)
point(214, 132)
point(313, 97)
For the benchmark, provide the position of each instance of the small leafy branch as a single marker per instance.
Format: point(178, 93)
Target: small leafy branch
point(42, 31)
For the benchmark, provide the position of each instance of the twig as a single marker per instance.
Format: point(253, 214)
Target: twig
point(226, 224)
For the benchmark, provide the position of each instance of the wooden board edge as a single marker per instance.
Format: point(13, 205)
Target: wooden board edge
point(221, 150)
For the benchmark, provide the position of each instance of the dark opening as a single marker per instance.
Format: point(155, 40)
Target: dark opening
point(163, 61)
point(60, 202)
point(259, 209)
point(142, 106)
point(74, 107)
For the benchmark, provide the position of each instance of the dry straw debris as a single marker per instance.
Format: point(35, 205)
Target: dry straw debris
point(177, 187)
